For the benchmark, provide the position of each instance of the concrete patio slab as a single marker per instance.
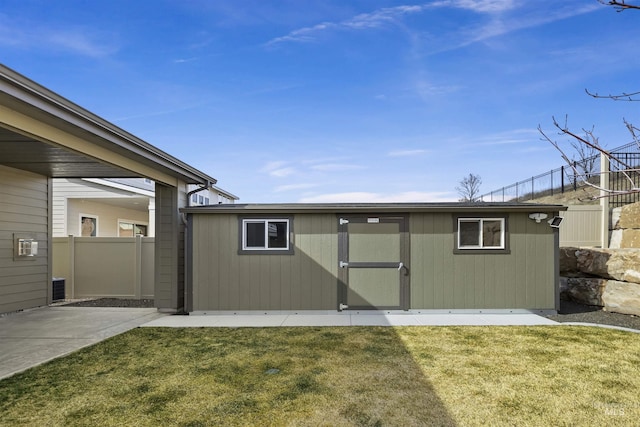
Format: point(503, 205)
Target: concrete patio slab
point(275, 319)
point(32, 337)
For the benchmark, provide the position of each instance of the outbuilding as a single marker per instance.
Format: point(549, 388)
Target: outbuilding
point(463, 257)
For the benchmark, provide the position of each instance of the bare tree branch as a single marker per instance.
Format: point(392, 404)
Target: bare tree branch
point(621, 97)
point(469, 188)
point(619, 6)
point(590, 140)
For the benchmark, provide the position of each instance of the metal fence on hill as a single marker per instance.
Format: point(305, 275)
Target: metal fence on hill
point(564, 179)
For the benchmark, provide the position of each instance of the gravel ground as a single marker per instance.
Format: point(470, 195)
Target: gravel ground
point(112, 302)
point(569, 311)
point(573, 312)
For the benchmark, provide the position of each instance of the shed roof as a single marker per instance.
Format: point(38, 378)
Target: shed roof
point(267, 208)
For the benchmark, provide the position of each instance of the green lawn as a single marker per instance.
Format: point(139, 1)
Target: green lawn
point(360, 376)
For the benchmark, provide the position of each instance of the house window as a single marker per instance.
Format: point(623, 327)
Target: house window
point(481, 233)
point(130, 229)
point(265, 235)
point(194, 198)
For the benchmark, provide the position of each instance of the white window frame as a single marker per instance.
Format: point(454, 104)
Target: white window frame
point(481, 246)
point(266, 222)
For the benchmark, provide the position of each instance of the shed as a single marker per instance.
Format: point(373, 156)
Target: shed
point(408, 256)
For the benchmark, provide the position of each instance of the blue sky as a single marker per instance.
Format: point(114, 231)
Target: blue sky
point(335, 101)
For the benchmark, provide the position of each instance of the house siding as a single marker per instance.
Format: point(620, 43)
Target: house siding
point(519, 279)
point(24, 210)
point(225, 280)
point(522, 278)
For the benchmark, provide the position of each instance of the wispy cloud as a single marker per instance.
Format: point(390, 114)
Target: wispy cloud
point(335, 167)
point(75, 40)
point(363, 21)
point(366, 197)
point(501, 20)
point(278, 169)
point(294, 187)
point(406, 153)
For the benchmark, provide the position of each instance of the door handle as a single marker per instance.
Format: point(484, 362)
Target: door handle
point(401, 266)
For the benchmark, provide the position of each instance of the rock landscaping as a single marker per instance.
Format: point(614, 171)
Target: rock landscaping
point(609, 278)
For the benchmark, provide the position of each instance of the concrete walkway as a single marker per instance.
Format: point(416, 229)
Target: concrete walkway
point(36, 336)
point(32, 337)
point(276, 319)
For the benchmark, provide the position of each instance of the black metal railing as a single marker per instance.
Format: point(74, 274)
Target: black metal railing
point(567, 178)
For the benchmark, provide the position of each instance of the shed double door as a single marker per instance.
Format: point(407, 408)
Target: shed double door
point(373, 254)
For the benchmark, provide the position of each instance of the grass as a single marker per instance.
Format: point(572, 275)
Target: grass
point(353, 376)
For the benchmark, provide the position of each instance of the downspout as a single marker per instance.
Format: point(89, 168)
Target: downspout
point(188, 286)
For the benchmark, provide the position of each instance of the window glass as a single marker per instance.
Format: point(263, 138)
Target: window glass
point(469, 233)
point(278, 234)
point(492, 233)
point(254, 234)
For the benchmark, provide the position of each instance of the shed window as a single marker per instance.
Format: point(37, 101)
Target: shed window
point(265, 234)
point(481, 233)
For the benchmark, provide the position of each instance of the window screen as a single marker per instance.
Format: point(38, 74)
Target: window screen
point(481, 233)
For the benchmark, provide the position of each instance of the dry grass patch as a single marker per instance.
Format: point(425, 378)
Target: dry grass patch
point(361, 376)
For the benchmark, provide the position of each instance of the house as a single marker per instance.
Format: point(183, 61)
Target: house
point(115, 207)
point(423, 256)
point(45, 136)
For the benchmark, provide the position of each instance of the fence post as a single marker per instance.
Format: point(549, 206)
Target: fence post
point(137, 284)
point(532, 187)
point(604, 200)
point(72, 265)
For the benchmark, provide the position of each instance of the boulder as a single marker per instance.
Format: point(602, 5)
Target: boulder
point(630, 238)
point(583, 290)
point(621, 297)
point(629, 216)
point(568, 262)
point(618, 264)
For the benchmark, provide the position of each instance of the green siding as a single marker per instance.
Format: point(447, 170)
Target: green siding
point(440, 279)
point(524, 278)
point(225, 280)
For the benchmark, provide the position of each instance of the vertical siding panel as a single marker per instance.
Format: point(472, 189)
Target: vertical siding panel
point(295, 283)
point(492, 298)
point(231, 278)
point(327, 262)
point(418, 263)
point(306, 291)
point(519, 254)
point(435, 231)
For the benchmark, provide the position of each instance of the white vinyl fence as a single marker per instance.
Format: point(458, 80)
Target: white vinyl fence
point(105, 267)
point(582, 226)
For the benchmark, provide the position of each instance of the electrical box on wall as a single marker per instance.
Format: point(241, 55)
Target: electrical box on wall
point(26, 247)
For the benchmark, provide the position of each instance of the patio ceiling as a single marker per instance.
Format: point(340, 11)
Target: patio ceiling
point(21, 152)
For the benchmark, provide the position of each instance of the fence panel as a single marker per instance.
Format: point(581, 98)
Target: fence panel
point(582, 226)
point(105, 267)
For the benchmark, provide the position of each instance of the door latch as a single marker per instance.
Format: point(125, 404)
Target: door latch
point(343, 307)
point(343, 264)
point(400, 266)
point(344, 221)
